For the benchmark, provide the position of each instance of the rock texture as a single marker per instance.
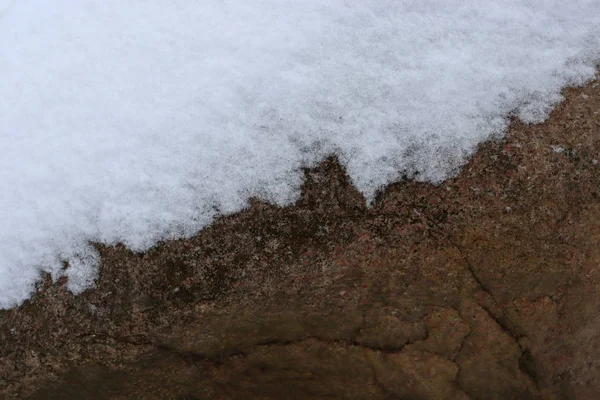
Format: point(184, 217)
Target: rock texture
point(485, 287)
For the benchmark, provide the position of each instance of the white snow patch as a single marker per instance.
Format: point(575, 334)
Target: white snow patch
point(135, 121)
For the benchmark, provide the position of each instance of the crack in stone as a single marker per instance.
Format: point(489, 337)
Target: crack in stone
point(352, 343)
point(458, 352)
point(142, 340)
point(381, 386)
point(501, 322)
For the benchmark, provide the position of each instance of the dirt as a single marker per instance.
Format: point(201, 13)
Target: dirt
point(485, 287)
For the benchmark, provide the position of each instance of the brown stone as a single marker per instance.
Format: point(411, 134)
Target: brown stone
point(485, 287)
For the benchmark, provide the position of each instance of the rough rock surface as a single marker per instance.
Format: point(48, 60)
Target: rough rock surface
point(486, 287)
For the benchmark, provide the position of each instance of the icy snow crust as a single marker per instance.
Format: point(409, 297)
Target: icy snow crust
point(140, 120)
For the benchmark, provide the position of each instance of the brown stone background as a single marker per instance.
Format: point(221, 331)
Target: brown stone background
point(485, 287)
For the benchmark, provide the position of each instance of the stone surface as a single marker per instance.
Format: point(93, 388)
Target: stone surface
point(485, 287)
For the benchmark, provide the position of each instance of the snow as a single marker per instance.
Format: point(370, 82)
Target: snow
point(140, 120)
